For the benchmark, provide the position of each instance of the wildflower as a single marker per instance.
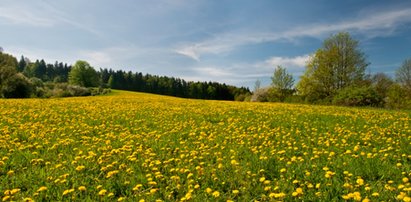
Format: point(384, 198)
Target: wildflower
point(208, 190)
point(236, 191)
point(43, 188)
point(216, 194)
point(137, 187)
point(82, 188)
point(14, 191)
point(102, 192)
point(360, 181)
point(68, 191)
point(5, 198)
point(297, 192)
point(80, 168)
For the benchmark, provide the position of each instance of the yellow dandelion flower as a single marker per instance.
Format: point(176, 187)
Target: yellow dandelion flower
point(68, 191)
point(5, 198)
point(102, 192)
point(14, 191)
point(360, 181)
point(216, 194)
point(80, 168)
point(43, 188)
point(82, 188)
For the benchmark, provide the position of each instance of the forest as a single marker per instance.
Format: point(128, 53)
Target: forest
point(23, 78)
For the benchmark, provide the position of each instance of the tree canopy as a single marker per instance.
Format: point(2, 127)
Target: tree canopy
point(339, 63)
point(82, 74)
point(282, 84)
point(403, 75)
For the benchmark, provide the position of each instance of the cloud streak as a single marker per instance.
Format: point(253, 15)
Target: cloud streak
point(21, 15)
point(370, 25)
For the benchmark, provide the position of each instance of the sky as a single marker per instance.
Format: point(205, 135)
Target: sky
point(236, 42)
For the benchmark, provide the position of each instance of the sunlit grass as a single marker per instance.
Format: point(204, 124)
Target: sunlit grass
point(132, 146)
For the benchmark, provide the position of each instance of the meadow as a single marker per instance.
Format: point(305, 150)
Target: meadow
point(141, 147)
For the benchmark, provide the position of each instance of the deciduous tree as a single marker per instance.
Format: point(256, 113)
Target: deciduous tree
point(338, 64)
point(82, 74)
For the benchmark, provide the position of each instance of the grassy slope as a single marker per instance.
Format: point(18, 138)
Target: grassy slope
point(133, 145)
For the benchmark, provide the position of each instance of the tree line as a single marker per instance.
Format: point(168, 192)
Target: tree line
point(336, 74)
point(41, 79)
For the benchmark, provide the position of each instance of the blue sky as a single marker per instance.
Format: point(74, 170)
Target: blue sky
point(230, 41)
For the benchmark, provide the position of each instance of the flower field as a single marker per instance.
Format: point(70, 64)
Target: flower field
point(134, 146)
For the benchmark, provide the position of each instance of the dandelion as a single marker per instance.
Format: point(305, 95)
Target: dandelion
point(5, 198)
point(297, 192)
point(360, 181)
point(216, 194)
point(102, 192)
point(43, 188)
point(82, 188)
point(68, 191)
point(14, 191)
point(80, 168)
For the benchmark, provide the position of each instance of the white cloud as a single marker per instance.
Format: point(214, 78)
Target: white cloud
point(189, 52)
point(21, 15)
point(213, 72)
point(376, 23)
point(298, 61)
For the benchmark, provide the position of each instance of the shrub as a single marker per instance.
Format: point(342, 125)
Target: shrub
point(17, 86)
point(357, 96)
point(398, 98)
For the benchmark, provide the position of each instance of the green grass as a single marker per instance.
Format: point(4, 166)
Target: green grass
point(141, 146)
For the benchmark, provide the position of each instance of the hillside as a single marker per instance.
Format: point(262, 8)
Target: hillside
point(129, 146)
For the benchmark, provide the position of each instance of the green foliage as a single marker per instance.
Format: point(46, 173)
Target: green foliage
point(338, 64)
point(357, 96)
point(12, 84)
point(82, 74)
point(16, 86)
point(282, 79)
point(403, 75)
point(398, 97)
point(282, 83)
point(381, 83)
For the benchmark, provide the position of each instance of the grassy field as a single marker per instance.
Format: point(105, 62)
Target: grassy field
point(132, 146)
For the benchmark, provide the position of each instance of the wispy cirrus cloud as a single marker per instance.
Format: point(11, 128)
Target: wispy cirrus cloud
point(42, 14)
point(23, 15)
point(372, 24)
point(297, 61)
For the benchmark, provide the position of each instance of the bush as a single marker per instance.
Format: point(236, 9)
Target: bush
point(398, 98)
point(261, 95)
point(17, 86)
point(357, 96)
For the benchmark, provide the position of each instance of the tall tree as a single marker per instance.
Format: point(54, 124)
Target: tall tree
point(403, 75)
point(83, 74)
point(281, 84)
point(282, 79)
point(338, 64)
